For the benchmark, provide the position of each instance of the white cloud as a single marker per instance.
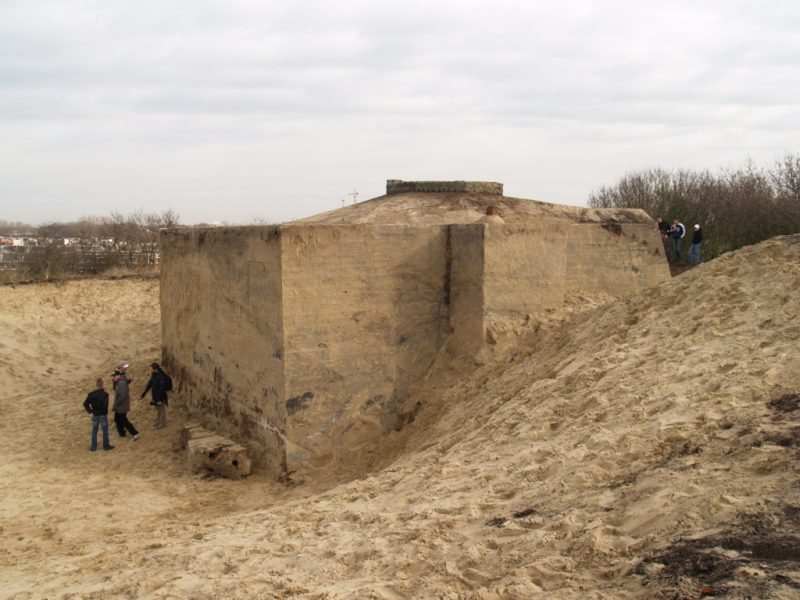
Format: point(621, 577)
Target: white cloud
point(228, 110)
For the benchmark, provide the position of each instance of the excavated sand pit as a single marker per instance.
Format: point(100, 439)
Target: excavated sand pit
point(641, 448)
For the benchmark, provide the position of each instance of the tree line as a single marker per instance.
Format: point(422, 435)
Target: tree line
point(88, 246)
point(735, 207)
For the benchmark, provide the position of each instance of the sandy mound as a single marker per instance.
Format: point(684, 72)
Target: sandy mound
point(441, 208)
point(644, 449)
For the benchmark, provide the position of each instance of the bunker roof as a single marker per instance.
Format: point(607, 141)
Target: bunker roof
point(451, 202)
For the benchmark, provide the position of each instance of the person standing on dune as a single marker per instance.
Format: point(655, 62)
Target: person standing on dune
point(122, 403)
point(663, 231)
point(96, 404)
point(694, 249)
point(676, 232)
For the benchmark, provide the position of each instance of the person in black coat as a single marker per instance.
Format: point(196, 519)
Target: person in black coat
point(694, 249)
point(663, 231)
point(158, 386)
point(96, 404)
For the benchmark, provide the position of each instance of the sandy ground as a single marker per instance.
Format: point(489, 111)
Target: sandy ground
point(645, 448)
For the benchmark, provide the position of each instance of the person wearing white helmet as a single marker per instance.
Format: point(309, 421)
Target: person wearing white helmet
point(694, 249)
point(122, 402)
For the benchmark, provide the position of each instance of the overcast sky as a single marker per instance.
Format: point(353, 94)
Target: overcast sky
point(238, 110)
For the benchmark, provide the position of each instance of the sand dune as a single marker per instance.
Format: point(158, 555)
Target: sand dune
point(644, 448)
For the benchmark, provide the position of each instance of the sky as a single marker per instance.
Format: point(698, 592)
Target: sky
point(242, 111)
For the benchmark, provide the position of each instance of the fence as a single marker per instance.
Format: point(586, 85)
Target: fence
point(53, 261)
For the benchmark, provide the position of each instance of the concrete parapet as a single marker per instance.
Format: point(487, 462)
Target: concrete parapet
point(398, 186)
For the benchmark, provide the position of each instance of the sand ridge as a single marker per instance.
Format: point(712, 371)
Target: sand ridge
point(572, 465)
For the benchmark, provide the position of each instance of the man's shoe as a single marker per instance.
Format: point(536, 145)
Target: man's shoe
point(135, 437)
point(108, 448)
point(93, 449)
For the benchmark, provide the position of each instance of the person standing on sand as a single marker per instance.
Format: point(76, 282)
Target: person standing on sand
point(96, 404)
point(663, 231)
point(694, 250)
point(157, 385)
point(676, 232)
point(122, 403)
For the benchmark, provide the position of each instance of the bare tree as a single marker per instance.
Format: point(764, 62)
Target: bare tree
point(785, 177)
point(169, 219)
point(735, 207)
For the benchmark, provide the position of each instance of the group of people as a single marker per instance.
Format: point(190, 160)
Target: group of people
point(676, 233)
point(96, 403)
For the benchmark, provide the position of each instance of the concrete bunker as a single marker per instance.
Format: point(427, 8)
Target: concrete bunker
point(307, 339)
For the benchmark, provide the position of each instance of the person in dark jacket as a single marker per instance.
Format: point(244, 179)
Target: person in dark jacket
point(96, 404)
point(676, 232)
point(122, 402)
point(663, 231)
point(694, 249)
point(157, 385)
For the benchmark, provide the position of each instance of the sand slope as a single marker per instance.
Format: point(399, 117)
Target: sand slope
point(643, 449)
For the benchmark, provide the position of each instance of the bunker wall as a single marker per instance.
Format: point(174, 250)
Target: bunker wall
point(307, 341)
point(222, 331)
point(364, 308)
point(525, 267)
point(615, 258)
point(531, 268)
point(466, 294)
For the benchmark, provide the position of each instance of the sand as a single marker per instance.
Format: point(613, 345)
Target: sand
point(640, 448)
